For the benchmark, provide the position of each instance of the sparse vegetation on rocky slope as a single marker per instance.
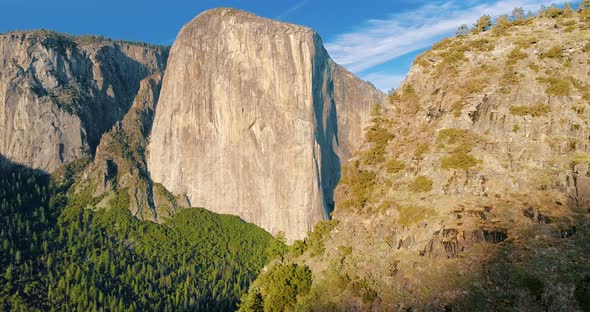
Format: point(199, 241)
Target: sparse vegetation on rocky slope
point(473, 189)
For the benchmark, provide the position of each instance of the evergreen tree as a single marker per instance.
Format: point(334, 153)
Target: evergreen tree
point(518, 13)
point(483, 23)
point(463, 30)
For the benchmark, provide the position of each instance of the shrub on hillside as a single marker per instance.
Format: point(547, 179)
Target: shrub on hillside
point(556, 86)
point(555, 52)
point(409, 215)
point(421, 184)
point(278, 288)
point(532, 110)
point(394, 166)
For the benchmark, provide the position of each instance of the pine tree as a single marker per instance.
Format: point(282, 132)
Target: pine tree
point(517, 13)
point(463, 30)
point(483, 23)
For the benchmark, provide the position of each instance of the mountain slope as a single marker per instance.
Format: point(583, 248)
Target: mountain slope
point(60, 93)
point(80, 239)
point(58, 252)
point(254, 120)
point(471, 191)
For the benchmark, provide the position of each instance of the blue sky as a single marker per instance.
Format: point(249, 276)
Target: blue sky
point(377, 39)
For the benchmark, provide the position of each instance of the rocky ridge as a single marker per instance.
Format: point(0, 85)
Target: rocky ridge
point(59, 93)
point(471, 190)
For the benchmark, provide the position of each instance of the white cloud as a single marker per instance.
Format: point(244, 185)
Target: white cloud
point(382, 40)
point(292, 9)
point(384, 81)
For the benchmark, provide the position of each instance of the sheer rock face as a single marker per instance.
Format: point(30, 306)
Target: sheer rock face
point(59, 94)
point(250, 120)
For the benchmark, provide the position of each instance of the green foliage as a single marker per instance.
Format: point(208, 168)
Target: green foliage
point(421, 60)
point(463, 140)
point(52, 39)
point(345, 250)
point(525, 42)
point(453, 58)
point(463, 30)
point(580, 158)
point(68, 98)
point(421, 184)
point(582, 293)
point(394, 166)
point(483, 23)
point(421, 149)
point(515, 128)
point(459, 159)
point(552, 12)
point(457, 108)
point(166, 206)
point(518, 13)
point(514, 56)
point(510, 77)
point(377, 134)
point(472, 86)
point(298, 248)
point(534, 284)
point(74, 258)
point(379, 138)
point(63, 41)
point(443, 44)
point(252, 302)
point(377, 110)
point(360, 183)
point(315, 239)
point(27, 216)
point(384, 206)
point(361, 288)
point(457, 136)
point(278, 288)
point(536, 68)
point(555, 52)
point(277, 248)
point(556, 86)
point(501, 26)
point(481, 45)
point(409, 215)
point(538, 110)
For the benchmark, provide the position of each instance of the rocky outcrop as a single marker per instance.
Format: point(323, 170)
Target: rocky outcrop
point(254, 120)
point(59, 94)
point(120, 162)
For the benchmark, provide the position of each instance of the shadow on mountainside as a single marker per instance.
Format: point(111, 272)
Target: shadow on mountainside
point(543, 268)
point(326, 119)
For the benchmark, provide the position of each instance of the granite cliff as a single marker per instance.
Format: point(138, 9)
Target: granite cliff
point(60, 93)
point(254, 119)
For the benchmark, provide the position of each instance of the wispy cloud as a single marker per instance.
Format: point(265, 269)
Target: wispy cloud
point(291, 10)
point(382, 40)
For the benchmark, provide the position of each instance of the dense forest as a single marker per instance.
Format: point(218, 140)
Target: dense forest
point(60, 253)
